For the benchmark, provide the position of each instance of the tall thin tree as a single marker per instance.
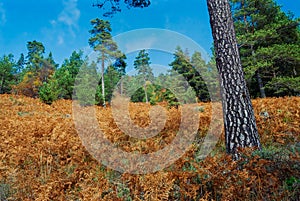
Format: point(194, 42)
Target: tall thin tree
point(102, 42)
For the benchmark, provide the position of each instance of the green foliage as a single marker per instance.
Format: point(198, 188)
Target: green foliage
point(6, 73)
point(190, 69)
point(98, 96)
point(67, 73)
point(19, 69)
point(269, 45)
point(171, 87)
point(272, 153)
point(29, 85)
point(47, 68)
point(180, 88)
point(208, 80)
point(165, 93)
point(142, 65)
point(101, 39)
point(281, 86)
point(123, 192)
point(171, 99)
point(130, 85)
point(86, 84)
point(139, 95)
point(120, 64)
point(5, 190)
point(292, 182)
point(35, 55)
point(111, 78)
point(134, 88)
point(174, 89)
point(49, 91)
point(145, 74)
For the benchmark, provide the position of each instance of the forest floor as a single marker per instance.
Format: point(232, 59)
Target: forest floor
point(42, 156)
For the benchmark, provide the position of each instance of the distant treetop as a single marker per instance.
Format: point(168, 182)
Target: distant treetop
point(111, 7)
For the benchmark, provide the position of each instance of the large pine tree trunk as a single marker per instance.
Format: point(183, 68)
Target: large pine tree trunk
point(239, 119)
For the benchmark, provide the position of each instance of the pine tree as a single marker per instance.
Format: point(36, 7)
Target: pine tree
point(111, 78)
point(183, 65)
point(49, 91)
point(268, 42)
point(120, 66)
point(35, 55)
point(142, 65)
point(18, 71)
point(102, 42)
point(37, 71)
point(67, 73)
point(48, 67)
point(205, 72)
point(6, 73)
point(86, 85)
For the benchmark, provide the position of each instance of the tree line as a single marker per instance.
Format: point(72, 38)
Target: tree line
point(268, 39)
point(37, 76)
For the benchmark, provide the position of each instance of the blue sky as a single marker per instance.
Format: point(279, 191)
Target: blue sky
point(62, 25)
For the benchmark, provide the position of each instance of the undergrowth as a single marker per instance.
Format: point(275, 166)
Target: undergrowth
point(42, 157)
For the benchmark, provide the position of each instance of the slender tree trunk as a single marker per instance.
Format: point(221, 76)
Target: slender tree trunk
point(1, 86)
point(110, 87)
point(258, 77)
point(239, 119)
point(294, 71)
point(102, 81)
point(260, 85)
point(121, 87)
point(145, 89)
point(146, 94)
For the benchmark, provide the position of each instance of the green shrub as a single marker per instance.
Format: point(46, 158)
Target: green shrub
point(49, 91)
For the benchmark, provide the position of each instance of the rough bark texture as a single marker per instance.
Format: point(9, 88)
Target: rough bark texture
point(239, 119)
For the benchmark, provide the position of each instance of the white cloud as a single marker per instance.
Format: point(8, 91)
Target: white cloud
point(2, 14)
point(66, 23)
point(70, 14)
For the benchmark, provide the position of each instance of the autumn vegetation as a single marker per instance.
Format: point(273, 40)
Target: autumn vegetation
point(42, 157)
